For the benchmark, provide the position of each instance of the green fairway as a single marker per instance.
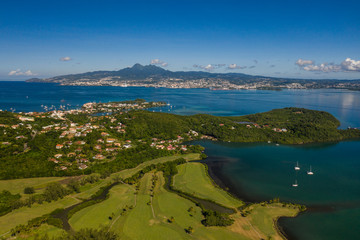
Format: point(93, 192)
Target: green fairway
point(88, 190)
point(141, 224)
point(262, 217)
point(149, 221)
point(24, 214)
point(192, 178)
point(129, 172)
point(17, 185)
point(145, 213)
point(98, 214)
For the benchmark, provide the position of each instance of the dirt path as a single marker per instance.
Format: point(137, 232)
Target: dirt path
point(152, 209)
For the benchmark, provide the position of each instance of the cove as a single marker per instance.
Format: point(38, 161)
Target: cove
point(260, 171)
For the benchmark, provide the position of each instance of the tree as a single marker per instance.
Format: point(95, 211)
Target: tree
point(29, 190)
point(189, 230)
point(54, 191)
point(171, 219)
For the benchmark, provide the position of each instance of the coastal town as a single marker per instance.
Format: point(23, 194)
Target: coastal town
point(95, 133)
point(213, 84)
point(157, 77)
point(79, 145)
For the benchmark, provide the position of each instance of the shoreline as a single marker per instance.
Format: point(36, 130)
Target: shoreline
point(214, 168)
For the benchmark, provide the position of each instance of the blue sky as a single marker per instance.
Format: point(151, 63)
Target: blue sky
point(301, 39)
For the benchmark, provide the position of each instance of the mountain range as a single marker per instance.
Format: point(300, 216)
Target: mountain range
point(151, 75)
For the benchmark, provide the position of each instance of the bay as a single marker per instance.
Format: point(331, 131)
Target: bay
point(259, 172)
point(343, 104)
point(252, 171)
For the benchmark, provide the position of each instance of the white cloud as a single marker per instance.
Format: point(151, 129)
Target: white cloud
point(324, 67)
point(348, 65)
point(302, 62)
point(209, 67)
point(351, 65)
point(18, 72)
point(65, 59)
point(235, 66)
point(158, 62)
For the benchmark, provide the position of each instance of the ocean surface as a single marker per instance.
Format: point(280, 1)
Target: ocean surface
point(254, 172)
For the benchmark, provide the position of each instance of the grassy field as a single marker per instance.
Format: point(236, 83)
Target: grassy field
point(17, 185)
point(152, 207)
point(87, 191)
point(146, 221)
point(259, 224)
point(51, 231)
point(24, 214)
point(192, 178)
point(98, 214)
point(262, 217)
point(140, 223)
point(129, 172)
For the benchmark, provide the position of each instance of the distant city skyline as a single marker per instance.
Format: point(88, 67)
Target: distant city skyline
point(279, 38)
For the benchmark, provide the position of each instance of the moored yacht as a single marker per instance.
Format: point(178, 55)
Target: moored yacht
point(310, 172)
point(295, 184)
point(297, 168)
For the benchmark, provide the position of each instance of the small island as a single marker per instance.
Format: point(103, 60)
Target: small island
point(118, 170)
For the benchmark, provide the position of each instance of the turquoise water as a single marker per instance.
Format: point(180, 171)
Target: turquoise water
point(257, 172)
point(253, 171)
point(343, 104)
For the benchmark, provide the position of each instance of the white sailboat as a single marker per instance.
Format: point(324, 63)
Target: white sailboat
point(310, 172)
point(295, 184)
point(297, 168)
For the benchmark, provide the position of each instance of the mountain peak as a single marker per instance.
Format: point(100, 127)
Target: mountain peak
point(150, 69)
point(137, 66)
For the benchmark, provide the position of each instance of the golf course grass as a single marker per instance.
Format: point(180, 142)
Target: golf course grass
point(263, 217)
point(193, 179)
point(148, 218)
point(98, 214)
point(24, 214)
point(149, 211)
point(17, 185)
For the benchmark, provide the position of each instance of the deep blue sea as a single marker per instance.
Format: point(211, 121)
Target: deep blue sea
point(252, 171)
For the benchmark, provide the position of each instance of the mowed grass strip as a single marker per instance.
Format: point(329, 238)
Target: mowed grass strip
point(17, 185)
point(129, 172)
point(192, 178)
point(140, 223)
point(263, 217)
point(96, 215)
point(24, 214)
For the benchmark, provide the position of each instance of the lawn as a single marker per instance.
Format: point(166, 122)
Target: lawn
point(263, 217)
point(150, 221)
point(192, 178)
point(98, 214)
point(140, 223)
point(17, 185)
point(129, 172)
point(24, 214)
